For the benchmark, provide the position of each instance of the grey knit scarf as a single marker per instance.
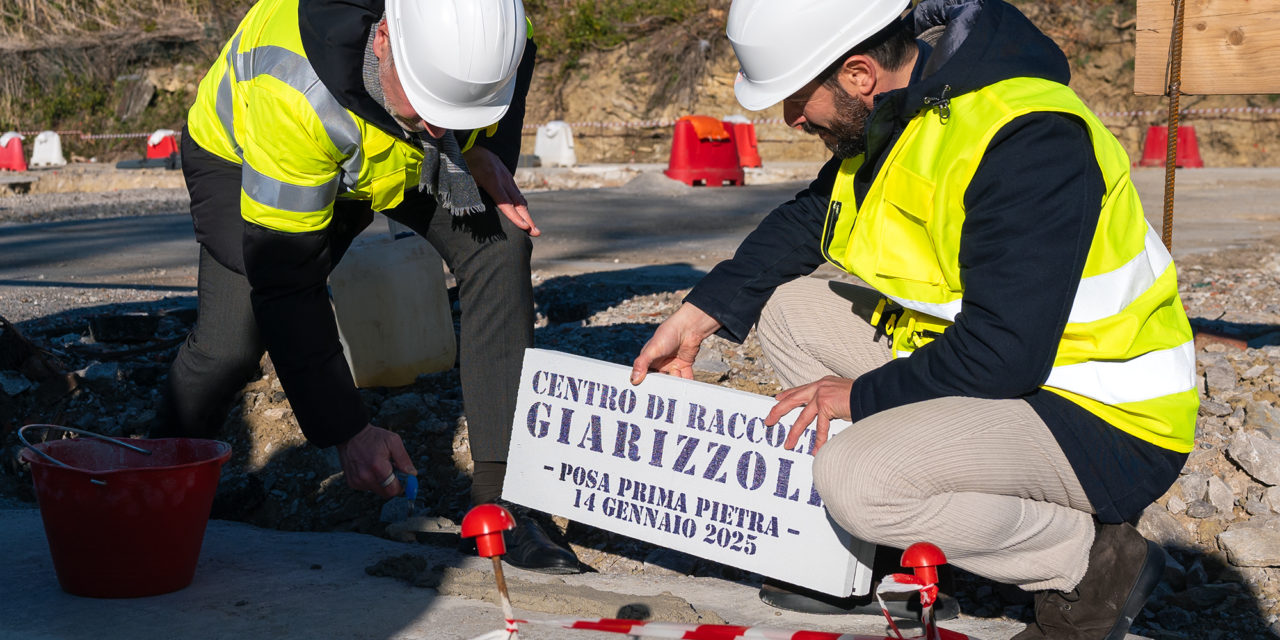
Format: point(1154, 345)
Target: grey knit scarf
point(444, 173)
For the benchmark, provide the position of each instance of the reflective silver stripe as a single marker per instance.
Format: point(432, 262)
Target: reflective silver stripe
point(946, 310)
point(294, 70)
point(1107, 294)
point(273, 193)
point(1150, 375)
point(222, 101)
point(1099, 296)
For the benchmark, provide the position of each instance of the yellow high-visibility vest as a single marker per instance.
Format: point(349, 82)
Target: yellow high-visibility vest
point(262, 106)
point(1126, 354)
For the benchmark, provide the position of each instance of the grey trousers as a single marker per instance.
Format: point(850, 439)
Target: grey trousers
point(984, 480)
point(490, 259)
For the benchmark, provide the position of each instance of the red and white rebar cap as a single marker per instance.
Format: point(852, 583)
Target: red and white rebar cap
point(457, 59)
point(783, 44)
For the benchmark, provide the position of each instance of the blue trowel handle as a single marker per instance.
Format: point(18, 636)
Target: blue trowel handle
point(410, 484)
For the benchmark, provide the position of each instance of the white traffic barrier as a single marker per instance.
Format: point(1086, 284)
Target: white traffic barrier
point(47, 151)
point(554, 145)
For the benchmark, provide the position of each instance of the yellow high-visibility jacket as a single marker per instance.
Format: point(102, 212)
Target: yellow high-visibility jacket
point(1126, 354)
point(285, 110)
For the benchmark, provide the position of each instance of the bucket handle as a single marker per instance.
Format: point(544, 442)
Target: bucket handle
point(23, 438)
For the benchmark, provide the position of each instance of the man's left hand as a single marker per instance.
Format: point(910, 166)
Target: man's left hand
point(369, 457)
point(492, 176)
point(827, 400)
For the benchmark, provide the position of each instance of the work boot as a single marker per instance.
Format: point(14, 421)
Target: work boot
point(1124, 568)
point(529, 547)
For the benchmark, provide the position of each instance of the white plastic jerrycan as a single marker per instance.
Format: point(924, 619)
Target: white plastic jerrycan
point(392, 308)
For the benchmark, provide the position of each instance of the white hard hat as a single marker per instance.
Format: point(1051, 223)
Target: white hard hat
point(457, 59)
point(783, 44)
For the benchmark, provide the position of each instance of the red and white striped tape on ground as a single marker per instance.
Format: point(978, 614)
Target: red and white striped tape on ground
point(674, 631)
point(894, 583)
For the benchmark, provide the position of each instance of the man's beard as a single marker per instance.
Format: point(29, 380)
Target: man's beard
point(847, 127)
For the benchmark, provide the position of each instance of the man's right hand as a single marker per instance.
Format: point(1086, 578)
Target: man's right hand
point(674, 346)
point(368, 458)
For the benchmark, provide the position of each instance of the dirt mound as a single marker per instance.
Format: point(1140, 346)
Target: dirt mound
point(655, 184)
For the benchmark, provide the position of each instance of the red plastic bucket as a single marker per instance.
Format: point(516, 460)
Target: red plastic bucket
point(123, 523)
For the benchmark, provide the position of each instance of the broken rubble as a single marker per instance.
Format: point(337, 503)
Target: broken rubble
point(1249, 545)
point(1159, 525)
point(1192, 486)
point(13, 383)
point(1201, 509)
point(1210, 407)
point(1257, 455)
point(1262, 415)
point(1221, 496)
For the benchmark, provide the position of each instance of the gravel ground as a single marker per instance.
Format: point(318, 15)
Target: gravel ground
point(56, 207)
point(1218, 524)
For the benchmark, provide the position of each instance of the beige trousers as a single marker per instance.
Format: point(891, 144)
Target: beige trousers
point(984, 480)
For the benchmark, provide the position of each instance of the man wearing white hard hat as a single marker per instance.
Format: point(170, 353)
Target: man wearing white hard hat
point(1016, 361)
point(316, 114)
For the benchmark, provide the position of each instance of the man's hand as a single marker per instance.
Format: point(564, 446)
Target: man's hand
point(368, 458)
point(493, 177)
point(674, 346)
point(827, 400)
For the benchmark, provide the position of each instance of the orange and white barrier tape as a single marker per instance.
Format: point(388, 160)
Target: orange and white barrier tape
point(663, 123)
point(640, 124)
point(99, 136)
point(657, 124)
point(1187, 112)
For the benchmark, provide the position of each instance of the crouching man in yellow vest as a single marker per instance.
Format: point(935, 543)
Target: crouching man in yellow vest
point(316, 114)
point(1019, 369)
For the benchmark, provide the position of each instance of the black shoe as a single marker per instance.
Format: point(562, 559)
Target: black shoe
point(529, 547)
point(1124, 568)
point(900, 605)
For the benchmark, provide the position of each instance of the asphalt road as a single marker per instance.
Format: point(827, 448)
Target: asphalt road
point(49, 267)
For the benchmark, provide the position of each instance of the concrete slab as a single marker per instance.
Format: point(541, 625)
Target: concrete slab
point(1214, 208)
point(258, 583)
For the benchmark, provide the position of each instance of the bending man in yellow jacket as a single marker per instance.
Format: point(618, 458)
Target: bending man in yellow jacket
point(315, 115)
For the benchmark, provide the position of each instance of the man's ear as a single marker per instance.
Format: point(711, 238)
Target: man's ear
point(858, 76)
point(381, 40)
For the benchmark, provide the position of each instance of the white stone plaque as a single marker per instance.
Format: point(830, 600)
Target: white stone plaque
point(681, 464)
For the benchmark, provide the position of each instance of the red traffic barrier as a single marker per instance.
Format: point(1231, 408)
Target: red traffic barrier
point(11, 157)
point(162, 144)
point(1155, 150)
point(486, 523)
point(703, 151)
point(744, 135)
